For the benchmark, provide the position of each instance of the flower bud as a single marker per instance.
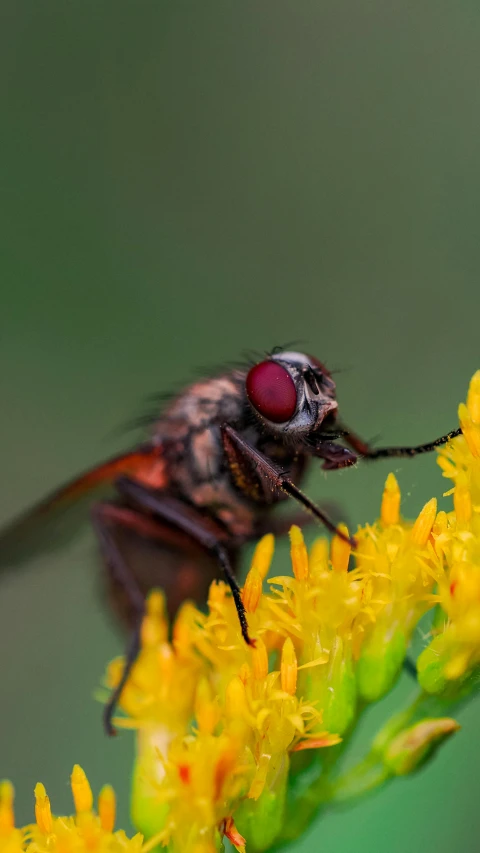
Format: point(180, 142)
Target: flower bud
point(380, 662)
point(413, 746)
point(149, 813)
point(332, 687)
point(434, 667)
point(261, 820)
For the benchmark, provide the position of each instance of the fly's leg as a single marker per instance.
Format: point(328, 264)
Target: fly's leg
point(280, 525)
point(364, 449)
point(106, 517)
point(187, 519)
point(238, 449)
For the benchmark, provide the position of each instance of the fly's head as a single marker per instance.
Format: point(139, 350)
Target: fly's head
point(292, 394)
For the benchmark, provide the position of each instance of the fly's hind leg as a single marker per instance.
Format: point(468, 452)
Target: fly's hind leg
point(202, 530)
point(106, 518)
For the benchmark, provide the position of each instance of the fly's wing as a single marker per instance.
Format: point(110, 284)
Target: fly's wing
point(54, 521)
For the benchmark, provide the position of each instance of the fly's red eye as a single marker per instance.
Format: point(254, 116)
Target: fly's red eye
point(271, 390)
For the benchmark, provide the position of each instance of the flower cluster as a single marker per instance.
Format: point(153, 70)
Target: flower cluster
point(87, 832)
point(243, 742)
point(219, 722)
point(450, 662)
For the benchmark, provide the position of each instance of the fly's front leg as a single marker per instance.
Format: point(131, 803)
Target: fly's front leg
point(238, 450)
point(202, 530)
point(365, 450)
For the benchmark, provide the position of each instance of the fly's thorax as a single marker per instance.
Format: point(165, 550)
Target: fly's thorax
point(204, 403)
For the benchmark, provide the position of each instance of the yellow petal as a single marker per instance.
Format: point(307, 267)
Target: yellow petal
point(43, 814)
point(298, 553)
point(390, 511)
point(288, 668)
point(107, 808)
point(81, 790)
point(423, 525)
point(340, 551)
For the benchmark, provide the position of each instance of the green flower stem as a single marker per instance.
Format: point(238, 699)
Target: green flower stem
point(320, 787)
point(362, 779)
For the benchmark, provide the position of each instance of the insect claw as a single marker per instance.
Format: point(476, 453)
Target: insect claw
point(110, 729)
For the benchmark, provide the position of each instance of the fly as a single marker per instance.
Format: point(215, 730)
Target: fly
point(220, 456)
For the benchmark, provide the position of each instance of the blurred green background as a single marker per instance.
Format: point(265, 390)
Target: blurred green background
point(180, 182)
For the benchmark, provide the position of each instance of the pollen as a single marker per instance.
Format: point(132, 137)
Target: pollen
point(43, 814)
point(107, 806)
point(390, 510)
point(340, 551)
point(423, 525)
point(289, 668)
point(252, 590)
point(81, 790)
point(298, 553)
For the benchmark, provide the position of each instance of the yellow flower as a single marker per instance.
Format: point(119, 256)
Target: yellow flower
point(218, 720)
point(161, 688)
point(454, 652)
point(86, 832)
point(207, 700)
point(400, 567)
